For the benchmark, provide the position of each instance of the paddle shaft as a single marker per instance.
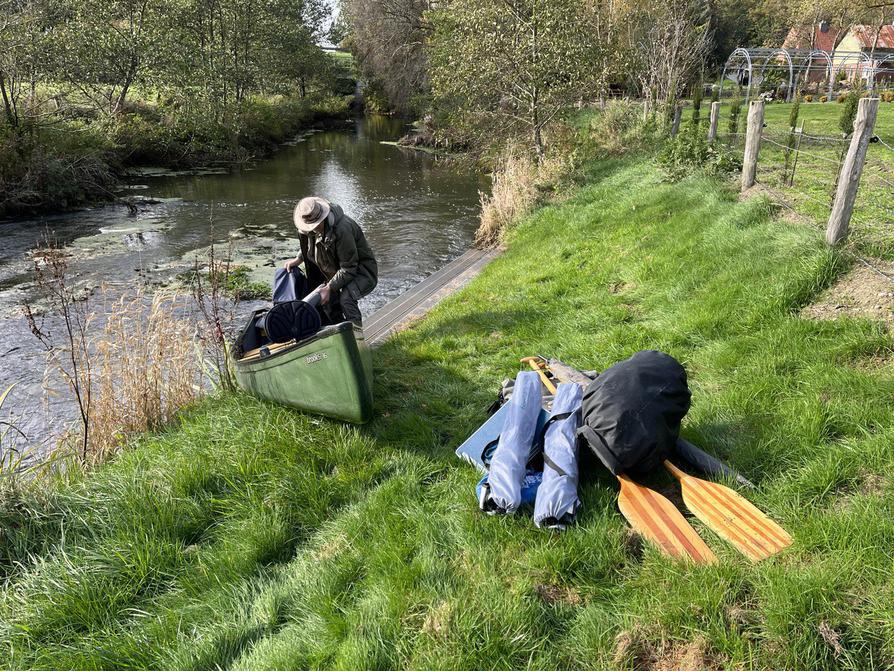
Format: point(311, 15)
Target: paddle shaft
point(532, 360)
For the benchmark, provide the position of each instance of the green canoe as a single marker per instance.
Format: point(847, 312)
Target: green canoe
point(328, 374)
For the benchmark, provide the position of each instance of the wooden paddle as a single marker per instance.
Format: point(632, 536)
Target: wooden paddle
point(649, 513)
point(272, 348)
point(655, 518)
point(731, 516)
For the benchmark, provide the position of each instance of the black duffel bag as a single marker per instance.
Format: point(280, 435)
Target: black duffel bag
point(632, 412)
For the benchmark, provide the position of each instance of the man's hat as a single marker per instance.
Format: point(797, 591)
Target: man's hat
point(310, 212)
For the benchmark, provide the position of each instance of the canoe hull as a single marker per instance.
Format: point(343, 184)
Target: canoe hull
point(329, 374)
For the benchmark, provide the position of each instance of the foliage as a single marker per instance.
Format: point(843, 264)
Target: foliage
point(697, 95)
point(236, 281)
point(617, 128)
point(500, 69)
point(150, 80)
point(387, 37)
point(690, 152)
point(735, 112)
point(794, 112)
point(670, 40)
point(851, 103)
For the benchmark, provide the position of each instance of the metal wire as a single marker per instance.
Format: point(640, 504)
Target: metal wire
point(873, 268)
point(782, 200)
point(826, 138)
point(882, 208)
point(801, 152)
point(884, 144)
point(886, 181)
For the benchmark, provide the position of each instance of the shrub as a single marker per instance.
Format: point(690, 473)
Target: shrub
point(697, 94)
point(808, 98)
point(888, 96)
point(793, 114)
point(824, 99)
point(849, 112)
point(842, 97)
point(735, 109)
point(619, 127)
point(690, 153)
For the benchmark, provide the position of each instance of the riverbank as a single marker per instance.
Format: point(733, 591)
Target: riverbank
point(252, 537)
point(80, 161)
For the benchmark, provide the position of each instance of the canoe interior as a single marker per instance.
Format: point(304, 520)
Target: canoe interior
point(328, 374)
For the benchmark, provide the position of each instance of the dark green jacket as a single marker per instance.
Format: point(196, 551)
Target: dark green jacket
point(344, 241)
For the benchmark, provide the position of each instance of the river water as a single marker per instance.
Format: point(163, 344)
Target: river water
point(418, 213)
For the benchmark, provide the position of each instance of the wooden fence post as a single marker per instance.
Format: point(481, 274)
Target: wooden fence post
point(851, 169)
point(678, 113)
point(752, 142)
point(715, 119)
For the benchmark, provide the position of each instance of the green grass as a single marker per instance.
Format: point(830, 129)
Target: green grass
point(817, 167)
point(252, 537)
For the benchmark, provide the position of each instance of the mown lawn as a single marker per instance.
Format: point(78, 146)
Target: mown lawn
point(251, 537)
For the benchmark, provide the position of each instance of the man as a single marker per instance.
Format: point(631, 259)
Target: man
point(336, 256)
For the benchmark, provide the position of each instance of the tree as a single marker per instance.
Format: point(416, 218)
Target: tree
point(670, 40)
point(506, 66)
point(22, 59)
point(106, 46)
point(388, 41)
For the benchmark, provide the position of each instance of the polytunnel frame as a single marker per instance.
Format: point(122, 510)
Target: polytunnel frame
point(752, 56)
point(755, 61)
point(879, 63)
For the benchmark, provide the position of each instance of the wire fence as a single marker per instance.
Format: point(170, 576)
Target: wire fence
point(802, 168)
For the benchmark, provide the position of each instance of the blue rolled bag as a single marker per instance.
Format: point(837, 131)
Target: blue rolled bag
point(502, 493)
point(289, 285)
point(557, 501)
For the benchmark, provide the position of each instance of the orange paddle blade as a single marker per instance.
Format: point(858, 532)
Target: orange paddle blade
point(655, 518)
point(731, 516)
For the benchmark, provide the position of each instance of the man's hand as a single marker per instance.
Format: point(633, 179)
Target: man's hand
point(325, 292)
point(291, 263)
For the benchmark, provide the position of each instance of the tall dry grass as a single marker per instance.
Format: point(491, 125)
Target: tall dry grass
point(147, 368)
point(513, 195)
point(521, 183)
point(126, 362)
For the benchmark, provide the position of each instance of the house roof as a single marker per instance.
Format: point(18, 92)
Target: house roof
point(819, 36)
point(866, 36)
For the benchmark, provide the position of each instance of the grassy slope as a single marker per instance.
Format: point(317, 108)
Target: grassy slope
point(251, 537)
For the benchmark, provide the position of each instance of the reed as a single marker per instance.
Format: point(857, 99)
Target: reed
point(148, 368)
point(514, 195)
point(127, 366)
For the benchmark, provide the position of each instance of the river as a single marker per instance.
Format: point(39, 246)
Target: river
point(418, 213)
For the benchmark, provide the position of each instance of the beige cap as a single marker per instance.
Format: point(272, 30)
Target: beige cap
point(310, 212)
